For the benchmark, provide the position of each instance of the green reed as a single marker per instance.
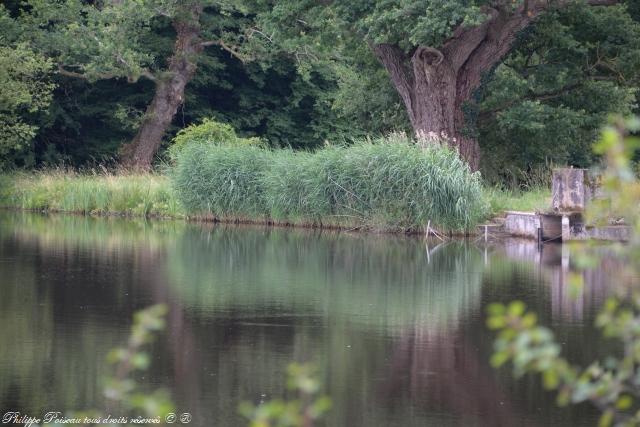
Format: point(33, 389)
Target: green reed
point(373, 184)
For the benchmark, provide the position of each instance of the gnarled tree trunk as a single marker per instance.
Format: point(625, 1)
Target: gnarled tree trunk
point(169, 94)
point(435, 84)
point(428, 84)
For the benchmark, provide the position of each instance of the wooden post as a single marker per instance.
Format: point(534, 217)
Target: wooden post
point(539, 236)
point(566, 228)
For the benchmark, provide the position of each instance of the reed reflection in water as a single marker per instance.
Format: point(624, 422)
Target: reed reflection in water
point(398, 331)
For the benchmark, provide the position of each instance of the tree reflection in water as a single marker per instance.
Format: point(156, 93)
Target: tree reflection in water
point(398, 333)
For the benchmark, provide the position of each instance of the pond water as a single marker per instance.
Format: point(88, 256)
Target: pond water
point(395, 324)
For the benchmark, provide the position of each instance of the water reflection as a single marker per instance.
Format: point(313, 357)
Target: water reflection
point(555, 264)
point(372, 281)
point(398, 331)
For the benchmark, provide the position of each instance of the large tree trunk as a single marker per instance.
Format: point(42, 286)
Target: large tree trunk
point(435, 84)
point(429, 87)
point(169, 94)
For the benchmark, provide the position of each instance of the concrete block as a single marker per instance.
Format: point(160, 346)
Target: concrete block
point(619, 233)
point(572, 189)
point(524, 224)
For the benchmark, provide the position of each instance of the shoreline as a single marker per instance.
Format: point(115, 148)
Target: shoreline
point(153, 196)
point(498, 229)
point(209, 219)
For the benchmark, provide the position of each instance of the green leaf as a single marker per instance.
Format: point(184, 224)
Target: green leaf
point(516, 308)
point(140, 361)
point(496, 309)
point(496, 322)
point(116, 355)
point(550, 379)
point(624, 402)
point(606, 419)
point(499, 358)
point(529, 320)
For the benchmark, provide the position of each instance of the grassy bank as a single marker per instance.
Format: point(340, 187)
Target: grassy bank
point(252, 184)
point(90, 193)
point(390, 185)
point(531, 200)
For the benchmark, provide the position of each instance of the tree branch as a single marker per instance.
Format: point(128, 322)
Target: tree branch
point(501, 32)
point(475, 50)
point(67, 73)
point(532, 97)
point(466, 39)
point(396, 63)
point(232, 50)
point(145, 72)
point(499, 27)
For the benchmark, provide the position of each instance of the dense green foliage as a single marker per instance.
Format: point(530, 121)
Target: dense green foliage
point(389, 183)
point(308, 77)
point(25, 91)
point(543, 104)
point(547, 102)
point(104, 84)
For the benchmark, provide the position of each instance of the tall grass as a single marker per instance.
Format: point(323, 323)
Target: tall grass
point(90, 193)
point(375, 184)
point(536, 198)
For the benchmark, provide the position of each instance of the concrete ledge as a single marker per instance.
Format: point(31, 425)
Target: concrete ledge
point(558, 227)
point(524, 224)
point(610, 232)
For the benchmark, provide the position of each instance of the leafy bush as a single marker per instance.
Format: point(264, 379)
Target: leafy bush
point(376, 184)
point(210, 132)
point(26, 90)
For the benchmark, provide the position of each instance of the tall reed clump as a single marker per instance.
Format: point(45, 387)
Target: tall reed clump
point(227, 180)
point(383, 184)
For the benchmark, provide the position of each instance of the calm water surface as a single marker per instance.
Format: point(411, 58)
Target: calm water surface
point(396, 326)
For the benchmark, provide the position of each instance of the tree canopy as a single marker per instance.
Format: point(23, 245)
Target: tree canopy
point(512, 85)
point(26, 91)
point(438, 55)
